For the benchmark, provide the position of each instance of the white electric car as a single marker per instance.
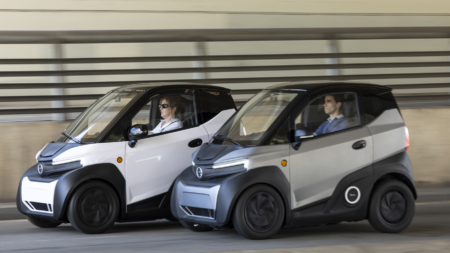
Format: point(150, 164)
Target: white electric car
point(116, 162)
point(301, 154)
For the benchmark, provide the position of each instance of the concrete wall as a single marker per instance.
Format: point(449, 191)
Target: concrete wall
point(429, 151)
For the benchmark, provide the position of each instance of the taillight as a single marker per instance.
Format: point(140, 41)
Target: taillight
point(407, 138)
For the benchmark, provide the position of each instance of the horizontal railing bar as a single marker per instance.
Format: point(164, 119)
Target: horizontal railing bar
point(419, 86)
point(399, 97)
point(229, 80)
point(41, 110)
point(190, 35)
point(69, 85)
point(393, 86)
point(223, 57)
point(222, 69)
point(121, 83)
point(49, 98)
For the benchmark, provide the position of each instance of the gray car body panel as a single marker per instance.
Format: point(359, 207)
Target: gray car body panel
point(319, 172)
point(321, 163)
point(388, 132)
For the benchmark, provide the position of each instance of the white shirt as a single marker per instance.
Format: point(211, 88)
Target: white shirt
point(172, 125)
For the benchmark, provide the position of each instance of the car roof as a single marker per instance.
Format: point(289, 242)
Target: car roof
point(149, 86)
point(313, 86)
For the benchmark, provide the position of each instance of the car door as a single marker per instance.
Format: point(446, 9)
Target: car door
point(154, 163)
point(323, 160)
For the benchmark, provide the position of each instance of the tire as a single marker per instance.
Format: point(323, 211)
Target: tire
point(93, 208)
point(42, 222)
point(258, 213)
point(196, 227)
point(392, 207)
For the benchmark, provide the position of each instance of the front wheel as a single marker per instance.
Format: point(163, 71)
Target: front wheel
point(42, 222)
point(93, 208)
point(259, 213)
point(196, 227)
point(391, 207)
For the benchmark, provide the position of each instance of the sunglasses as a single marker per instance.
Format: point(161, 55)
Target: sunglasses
point(163, 106)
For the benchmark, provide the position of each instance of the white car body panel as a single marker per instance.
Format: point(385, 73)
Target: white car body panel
point(38, 192)
point(216, 123)
point(154, 163)
point(95, 154)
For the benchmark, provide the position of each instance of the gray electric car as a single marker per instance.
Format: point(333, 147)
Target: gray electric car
point(301, 154)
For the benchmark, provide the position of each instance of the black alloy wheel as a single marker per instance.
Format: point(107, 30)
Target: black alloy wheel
point(196, 227)
point(392, 207)
point(259, 212)
point(42, 222)
point(94, 208)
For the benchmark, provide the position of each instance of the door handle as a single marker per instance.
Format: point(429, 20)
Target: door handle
point(195, 143)
point(359, 144)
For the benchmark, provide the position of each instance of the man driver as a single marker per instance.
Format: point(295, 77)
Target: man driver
point(332, 106)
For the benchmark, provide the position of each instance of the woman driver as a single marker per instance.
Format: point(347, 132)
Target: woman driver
point(168, 107)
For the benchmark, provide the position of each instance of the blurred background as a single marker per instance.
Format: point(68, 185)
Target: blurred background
point(57, 57)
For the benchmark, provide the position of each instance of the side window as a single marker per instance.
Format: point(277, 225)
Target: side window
point(213, 102)
point(165, 113)
point(329, 113)
point(143, 116)
point(374, 105)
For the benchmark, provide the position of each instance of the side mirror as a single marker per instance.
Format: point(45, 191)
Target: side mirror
point(135, 133)
point(301, 134)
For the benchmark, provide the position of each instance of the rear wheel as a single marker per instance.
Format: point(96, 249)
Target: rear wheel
point(196, 227)
point(42, 222)
point(94, 208)
point(392, 207)
point(259, 212)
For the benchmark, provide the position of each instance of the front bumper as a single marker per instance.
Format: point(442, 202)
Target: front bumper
point(197, 201)
point(36, 197)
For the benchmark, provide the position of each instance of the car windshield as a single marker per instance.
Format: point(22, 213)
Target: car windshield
point(251, 122)
point(93, 122)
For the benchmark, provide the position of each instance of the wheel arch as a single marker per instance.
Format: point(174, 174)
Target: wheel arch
point(396, 167)
point(69, 183)
point(235, 186)
point(395, 176)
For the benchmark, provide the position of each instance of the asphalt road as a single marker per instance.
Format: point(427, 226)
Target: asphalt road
point(429, 231)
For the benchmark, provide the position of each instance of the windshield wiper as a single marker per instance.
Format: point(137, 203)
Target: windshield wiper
point(70, 137)
point(221, 137)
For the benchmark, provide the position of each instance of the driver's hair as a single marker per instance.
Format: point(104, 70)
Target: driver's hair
point(173, 101)
point(337, 97)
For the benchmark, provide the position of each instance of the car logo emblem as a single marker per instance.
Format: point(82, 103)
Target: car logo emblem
point(199, 172)
point(40, 169)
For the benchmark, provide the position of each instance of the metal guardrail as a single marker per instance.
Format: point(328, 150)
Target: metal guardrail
point(189, 35)
point(59, 38)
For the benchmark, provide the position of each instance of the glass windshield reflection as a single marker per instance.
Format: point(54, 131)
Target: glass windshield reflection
point(249, 125)
point(93, 122)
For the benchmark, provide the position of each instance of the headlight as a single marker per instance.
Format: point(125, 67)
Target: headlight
point(231, 163)
point(47, 169)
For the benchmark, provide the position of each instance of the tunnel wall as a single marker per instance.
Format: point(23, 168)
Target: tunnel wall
point(429, 150)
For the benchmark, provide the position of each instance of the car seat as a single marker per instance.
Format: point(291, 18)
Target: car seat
point(350, 112)
point(186, 113)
